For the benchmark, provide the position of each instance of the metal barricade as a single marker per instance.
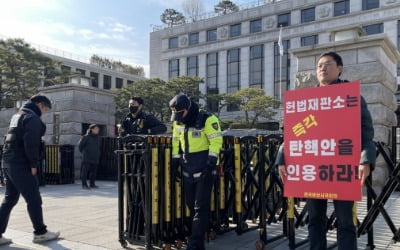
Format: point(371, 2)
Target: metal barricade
point(59, 164)
point(247, 195)
point(107, 169)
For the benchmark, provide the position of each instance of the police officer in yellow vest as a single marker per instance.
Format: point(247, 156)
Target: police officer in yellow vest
point(196, 142)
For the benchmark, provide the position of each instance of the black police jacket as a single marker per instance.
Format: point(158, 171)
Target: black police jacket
point(142, 123)
point(22, 144)
point(89, 146)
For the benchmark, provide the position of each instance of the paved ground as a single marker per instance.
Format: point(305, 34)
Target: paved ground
point(88, 219)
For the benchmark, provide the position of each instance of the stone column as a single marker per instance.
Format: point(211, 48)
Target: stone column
point(244, 67)
point(370, 59)
point(72, 106)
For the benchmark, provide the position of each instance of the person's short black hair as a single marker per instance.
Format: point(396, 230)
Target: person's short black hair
point(41, 99)
point(137, 99)
point(335, 56)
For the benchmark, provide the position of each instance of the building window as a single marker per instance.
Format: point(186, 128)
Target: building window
point(192, 66)
point(212, 35)
point(94, 79)
point(81, 71)
point(173, 43)
point(193, 38)
point(212, 80)
point(370, 4)
point(309, 40)
point(119, 83)
point(233, 76)
point(308, 15)
point(281, 77)
point(129, 82)
point(256, 66)
point(106, 82)
point(235, 30)
point(373, 29)
point(283, 20)
point(255, 26)
point(173, 68)
point(341, 8)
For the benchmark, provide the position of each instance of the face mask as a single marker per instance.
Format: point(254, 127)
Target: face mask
point(133, 109)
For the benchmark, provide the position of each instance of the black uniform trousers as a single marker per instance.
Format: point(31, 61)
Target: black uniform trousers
point(198, 197)
point(19, 180)
point(89, 169)
point(317, 227)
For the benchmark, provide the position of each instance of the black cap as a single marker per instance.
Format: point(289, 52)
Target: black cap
point(179, 102)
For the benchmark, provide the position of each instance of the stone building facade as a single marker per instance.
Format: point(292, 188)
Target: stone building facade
point(240, 50)
point(98, 77)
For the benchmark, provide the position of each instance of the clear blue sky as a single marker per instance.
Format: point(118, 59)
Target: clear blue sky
point(117, 29)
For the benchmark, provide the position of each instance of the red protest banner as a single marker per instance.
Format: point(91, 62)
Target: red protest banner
point(323, 142)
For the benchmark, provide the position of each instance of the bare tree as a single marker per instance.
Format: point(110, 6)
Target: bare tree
point(193, 9)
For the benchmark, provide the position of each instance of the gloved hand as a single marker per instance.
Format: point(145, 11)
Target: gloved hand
point(212, 161)
point(211, 166)
point(175, 173)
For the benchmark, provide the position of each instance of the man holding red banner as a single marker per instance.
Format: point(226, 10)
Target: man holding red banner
point(329, 69)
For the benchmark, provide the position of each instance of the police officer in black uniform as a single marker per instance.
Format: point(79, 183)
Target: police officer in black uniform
point(196, 143)
point(138, 122)
point(22, 153)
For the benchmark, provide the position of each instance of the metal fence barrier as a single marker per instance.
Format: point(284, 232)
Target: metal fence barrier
point(247, 195)
point(152, 209)
point(56, 168)
point(59, 164)
point(107, 169)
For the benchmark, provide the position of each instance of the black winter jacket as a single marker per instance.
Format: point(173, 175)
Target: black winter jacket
point(89, 146)
point(22, 144)
point(142, 123)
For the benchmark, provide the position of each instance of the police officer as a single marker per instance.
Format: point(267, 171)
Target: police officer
point(138, 122)
point(21, 156)
point(196, 142)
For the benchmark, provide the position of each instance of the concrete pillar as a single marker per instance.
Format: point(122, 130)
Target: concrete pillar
point(74, 105)
point(372, 60)
point(222, 64)
point(101, 80)
point(269, 68)
point(355, 6)
point(201, 60)
point(113, 82)
point(182, 66)
point(244, 67)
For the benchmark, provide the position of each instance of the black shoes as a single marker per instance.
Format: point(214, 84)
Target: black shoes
point(87, 187)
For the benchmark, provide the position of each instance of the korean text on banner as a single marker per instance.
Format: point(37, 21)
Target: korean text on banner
point(323, 142)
